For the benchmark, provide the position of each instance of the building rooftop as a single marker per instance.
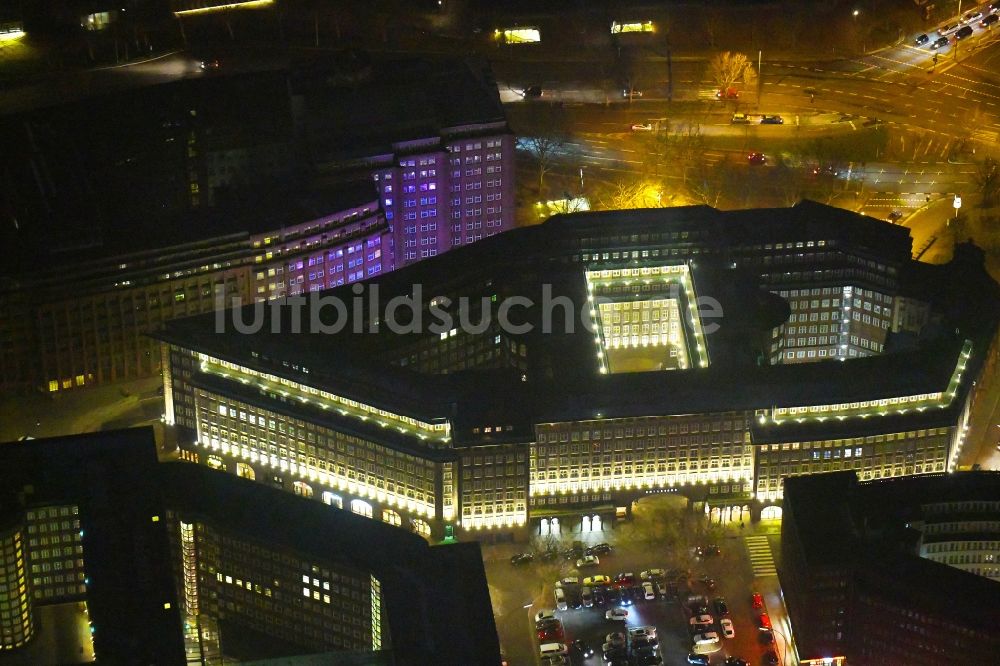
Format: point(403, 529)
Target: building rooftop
point(862, 527)
point(529, 262)
point(428, 591)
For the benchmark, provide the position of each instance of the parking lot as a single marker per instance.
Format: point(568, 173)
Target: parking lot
point(529, 587)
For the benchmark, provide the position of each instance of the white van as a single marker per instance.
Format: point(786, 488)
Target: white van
point(648, 593)
point(560, 595)
point(705, 638)
point(552, 648)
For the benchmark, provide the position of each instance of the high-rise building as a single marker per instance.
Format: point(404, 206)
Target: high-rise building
point(107, 555)
point(896, 571)
point(554, 374)
point(258, 185)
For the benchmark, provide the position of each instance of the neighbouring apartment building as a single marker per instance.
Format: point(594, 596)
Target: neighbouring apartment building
point(381, 193)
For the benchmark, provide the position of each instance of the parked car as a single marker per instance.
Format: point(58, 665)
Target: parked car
point(972, 16)
point(698, 659)
point(947, 29)
point(922, 39)
point(533, 92)
point(721, 607)
point(989, 20)
point(543, 615)
point(727, 627)
point(648, 593)
point(599, 598)
point(594, 581)
point(766, 637)
point(701, 619)
point(616, 638)
point(616, 615)
point(706, 638)
point(727, 93)
point(764, 621)
point(599, 549)
point(616, 655)
point(521, 558)
point(963, 32)
point(756, 600)
point(740, 119)
point(771, 658)
point(652, 574)
point(584, 649)
point(624, 581)
point(587, 597)
point(569, 580)
point(939, 42)
point(647, 631)
point(771, 120)
point(663, 589)
point(646, 643)
point(642, 127)
point(588, 561)
point(550, 634)
point(755, 158)
point(547, 624)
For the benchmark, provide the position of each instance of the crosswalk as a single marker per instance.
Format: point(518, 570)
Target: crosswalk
point(761, 559)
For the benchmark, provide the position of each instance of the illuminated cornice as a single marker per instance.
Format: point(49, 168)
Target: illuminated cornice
point(225, 7)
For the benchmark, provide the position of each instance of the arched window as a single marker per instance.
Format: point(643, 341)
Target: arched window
point(362, 508)
point(302, 488)
point(421, 527)
point(246, 471)
point(771, 513)
point(391, 517)
point(333, 500)
point(215, 462)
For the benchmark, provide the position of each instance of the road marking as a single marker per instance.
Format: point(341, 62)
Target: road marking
point(761, 558)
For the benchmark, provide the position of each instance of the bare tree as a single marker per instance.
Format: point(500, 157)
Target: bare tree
point(546, 140)
point(727, 68)
point(625, 194)
point(708, 185)
point(544, 149)
point(987, 180)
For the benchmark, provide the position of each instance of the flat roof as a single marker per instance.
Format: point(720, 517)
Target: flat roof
point(861, 527)
point(114, 477)
point(526, 262)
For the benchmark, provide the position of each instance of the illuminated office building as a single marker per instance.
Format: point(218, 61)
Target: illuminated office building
point(111, 557)
point(16, 616)
point(655, 389)
point(897, 571)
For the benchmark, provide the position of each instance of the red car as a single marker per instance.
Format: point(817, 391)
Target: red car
point(727, 93)
point(756, 158)
point(765, 622)
point(624, 581)
point(552, 634)
point(757, 600)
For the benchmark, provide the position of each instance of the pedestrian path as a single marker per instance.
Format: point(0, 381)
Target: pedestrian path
point(761, 559)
